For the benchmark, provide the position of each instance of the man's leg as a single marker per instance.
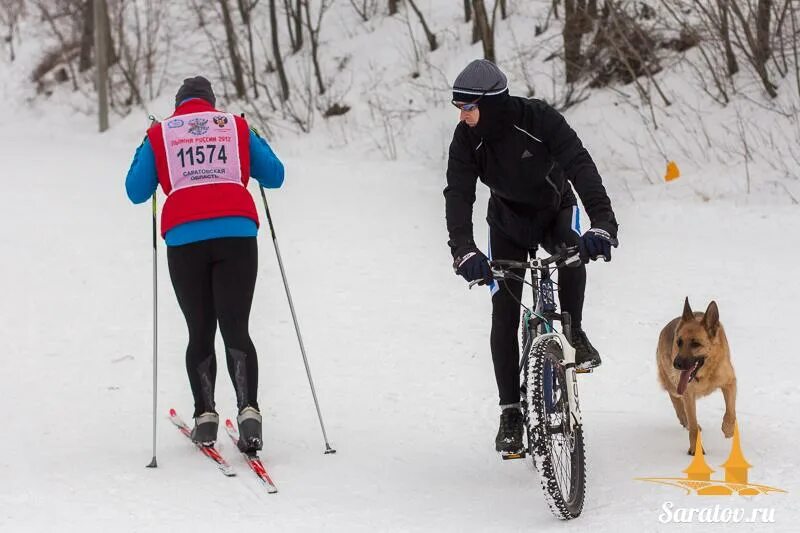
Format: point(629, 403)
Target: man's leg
point(505, 319)
point(505, 344)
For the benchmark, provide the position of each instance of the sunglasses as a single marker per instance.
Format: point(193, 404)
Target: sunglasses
point(473, 105)
point(466, 106)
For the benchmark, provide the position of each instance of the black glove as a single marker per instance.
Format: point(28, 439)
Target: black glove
point(596, 243)
point(472, 265)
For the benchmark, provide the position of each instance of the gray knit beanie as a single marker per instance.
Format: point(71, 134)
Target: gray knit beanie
point(481, 78)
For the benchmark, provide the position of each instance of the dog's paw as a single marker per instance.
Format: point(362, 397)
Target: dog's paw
point(728, 424)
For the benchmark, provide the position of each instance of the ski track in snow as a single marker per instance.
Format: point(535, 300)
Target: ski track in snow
point(397, 345)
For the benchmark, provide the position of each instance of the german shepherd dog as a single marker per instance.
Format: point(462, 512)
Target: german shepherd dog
point(694, 360)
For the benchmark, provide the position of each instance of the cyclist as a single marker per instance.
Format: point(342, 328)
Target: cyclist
point(525, 152)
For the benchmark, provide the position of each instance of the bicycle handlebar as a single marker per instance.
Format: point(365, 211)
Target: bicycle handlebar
point(567, 256)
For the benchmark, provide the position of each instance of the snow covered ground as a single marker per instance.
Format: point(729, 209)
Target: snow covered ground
point(398, 348)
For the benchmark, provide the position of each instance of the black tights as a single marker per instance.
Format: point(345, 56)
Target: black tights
point(506, 310)
point(214, 281)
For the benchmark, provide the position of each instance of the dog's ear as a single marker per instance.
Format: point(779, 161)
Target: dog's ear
point(711, 319)
point(688, 315)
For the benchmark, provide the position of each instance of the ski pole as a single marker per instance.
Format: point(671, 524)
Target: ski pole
point(328, 448)
point(153, 462)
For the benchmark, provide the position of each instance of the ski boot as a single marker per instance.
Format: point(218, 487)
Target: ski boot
point(204, 432)
point(249, 421)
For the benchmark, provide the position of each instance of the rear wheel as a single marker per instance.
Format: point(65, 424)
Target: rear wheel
point(555, 443)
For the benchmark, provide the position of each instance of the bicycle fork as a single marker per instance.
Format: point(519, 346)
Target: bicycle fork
point(570, 374)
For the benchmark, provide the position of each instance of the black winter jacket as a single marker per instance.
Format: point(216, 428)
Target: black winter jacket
point(527, 169)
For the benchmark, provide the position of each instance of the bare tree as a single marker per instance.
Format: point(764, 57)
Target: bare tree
point(236, 61)
point(313, 34)
point(428, 33)
point(246, 8)
point(294, 22)
point(276, 51)
point(393, 5)
point(724, 33)
point(467, 10)
point(577, 22)
point(87, 37)
point(366, 9)
point(757, 46)
point(100, 23)
point(486, 31)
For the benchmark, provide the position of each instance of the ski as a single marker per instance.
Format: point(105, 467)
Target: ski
point(209, 451)
point(253, 460)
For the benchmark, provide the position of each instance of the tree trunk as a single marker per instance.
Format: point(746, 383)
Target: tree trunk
point(100, 13)
point(573, 59)
point(236, 62)
point(276, 51)
point(87, 37)
point(725, 35)
point(428, 33)
point(313, 34)
point(591, 9)
point(245, 9)
point(393, 7)
point(485, 29)
point(762, 51)
point(503, 9)
point(467, 11)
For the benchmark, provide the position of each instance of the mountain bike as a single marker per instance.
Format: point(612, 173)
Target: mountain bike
point(549, 388)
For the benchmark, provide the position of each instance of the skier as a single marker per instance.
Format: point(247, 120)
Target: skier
point(203, 158)
point(525, 152)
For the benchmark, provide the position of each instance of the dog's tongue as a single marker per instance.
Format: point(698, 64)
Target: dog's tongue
point(686, 376)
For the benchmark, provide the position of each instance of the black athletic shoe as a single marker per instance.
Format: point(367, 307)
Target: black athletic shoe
point(509, 436)
point(205, 429)
point(249, 421)
point(586, 355)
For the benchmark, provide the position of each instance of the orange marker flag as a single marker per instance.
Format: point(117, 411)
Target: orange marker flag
point(672, 172)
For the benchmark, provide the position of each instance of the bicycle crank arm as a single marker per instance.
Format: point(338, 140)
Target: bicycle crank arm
point(507, 456)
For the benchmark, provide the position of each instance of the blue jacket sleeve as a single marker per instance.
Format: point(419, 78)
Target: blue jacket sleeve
point(142, 178)
point(265, 166)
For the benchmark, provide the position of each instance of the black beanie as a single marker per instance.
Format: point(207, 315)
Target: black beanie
point(197, 87)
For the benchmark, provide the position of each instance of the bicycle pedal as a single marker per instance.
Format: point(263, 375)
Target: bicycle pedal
point(507, 456)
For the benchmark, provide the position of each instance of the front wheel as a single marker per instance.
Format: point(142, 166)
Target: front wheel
point(555, 443)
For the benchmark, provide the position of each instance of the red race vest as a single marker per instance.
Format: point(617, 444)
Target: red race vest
point(203, 165)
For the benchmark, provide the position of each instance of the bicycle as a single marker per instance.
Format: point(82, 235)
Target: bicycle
point(548, 388)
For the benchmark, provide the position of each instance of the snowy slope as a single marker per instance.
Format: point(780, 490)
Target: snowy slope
point(398, 347)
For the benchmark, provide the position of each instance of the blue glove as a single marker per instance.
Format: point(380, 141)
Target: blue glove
point(472, 265)
point(596, 243)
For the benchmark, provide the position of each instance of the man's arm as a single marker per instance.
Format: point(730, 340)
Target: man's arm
point(568, 151)
point(459, 195)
